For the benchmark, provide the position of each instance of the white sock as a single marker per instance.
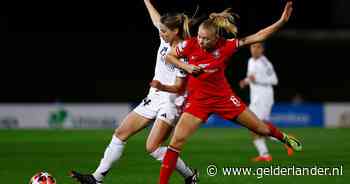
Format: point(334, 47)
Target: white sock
point(180, 164)
point(261, 146)
point(273, 139)
point(112, 153)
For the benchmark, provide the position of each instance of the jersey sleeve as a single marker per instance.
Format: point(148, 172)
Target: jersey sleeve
point(181, 72)
point(183, 49)
point(250, 70)
point(231, 46)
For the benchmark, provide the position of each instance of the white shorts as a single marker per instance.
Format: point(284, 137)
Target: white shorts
point(262, 108)
point(156, 106)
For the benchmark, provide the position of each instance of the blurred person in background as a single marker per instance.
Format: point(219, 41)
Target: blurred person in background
point(297, 99)
point(261, 77)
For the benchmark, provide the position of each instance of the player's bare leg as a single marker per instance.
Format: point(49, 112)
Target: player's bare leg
point(131, 124)
point(249, 120)
point(289, 150)
point(260, 145)
point(186, 126)
point(160, 131)
point(158, 134)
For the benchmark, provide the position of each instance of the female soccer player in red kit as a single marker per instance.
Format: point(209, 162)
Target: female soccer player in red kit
point(208, 91)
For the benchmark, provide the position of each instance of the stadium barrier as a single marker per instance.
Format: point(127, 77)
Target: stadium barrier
point(284, 115)
point(88, 115)
point(62, 115)
point(337, 115)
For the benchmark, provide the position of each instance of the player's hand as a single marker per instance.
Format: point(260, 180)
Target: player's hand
point(287, 12)
point(156, 84)
point(252, 78)
point(243, 83)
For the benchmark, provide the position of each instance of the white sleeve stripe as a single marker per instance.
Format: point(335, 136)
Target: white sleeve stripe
point(178, 51)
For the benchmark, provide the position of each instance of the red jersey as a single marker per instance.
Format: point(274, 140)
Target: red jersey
point(211, 85)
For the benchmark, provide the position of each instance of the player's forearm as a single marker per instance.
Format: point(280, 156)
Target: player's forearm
point(175, 61)
point(267, 32)
point(155, 16)
point(263, 34)
point(171, 89)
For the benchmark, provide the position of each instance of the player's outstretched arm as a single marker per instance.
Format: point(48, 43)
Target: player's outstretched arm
point(178, 87)
point(267, 32)
point(173, 58)
point(155, 16)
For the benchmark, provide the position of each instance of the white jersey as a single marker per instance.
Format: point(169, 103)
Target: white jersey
point(159, 104)
point(265, 78)
point(164, 72)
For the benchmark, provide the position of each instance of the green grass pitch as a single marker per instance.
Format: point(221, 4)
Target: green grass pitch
point(24, 152)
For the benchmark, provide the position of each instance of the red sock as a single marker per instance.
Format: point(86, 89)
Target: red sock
point(275, 132)
point(168, 166)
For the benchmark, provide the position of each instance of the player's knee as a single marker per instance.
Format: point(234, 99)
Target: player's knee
point(121, 134)
point(178, 141)
point(150, 147)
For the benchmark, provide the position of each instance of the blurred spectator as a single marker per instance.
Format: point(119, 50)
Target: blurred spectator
point(297, 99)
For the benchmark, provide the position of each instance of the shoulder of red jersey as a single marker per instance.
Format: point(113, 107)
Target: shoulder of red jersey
point(233, 42)
point(188, 42)
point(230, 46)
point(185, 45)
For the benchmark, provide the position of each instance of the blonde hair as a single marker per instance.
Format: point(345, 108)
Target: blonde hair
point(223, 21)
point(177, 21)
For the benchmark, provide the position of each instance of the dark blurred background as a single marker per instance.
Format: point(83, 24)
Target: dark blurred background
point(116, 41)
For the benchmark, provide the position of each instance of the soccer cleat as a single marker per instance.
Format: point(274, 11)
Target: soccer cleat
point(290, 151)
point(84, 178)
point(265, 158)
point(292, 142)
point(192, 179)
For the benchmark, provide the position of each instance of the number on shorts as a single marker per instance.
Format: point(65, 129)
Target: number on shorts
point(235, 101)
point(146, 101)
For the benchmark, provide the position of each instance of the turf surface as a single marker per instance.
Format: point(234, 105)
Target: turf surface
point(24, 152)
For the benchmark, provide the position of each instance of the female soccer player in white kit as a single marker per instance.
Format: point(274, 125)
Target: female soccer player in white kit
point(157, 105)
point(261, 77)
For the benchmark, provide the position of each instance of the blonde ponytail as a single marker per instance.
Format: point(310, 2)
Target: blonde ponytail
point(185, 26)
point(225, 20)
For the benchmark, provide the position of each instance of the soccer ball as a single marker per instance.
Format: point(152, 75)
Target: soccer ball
point(42, 178)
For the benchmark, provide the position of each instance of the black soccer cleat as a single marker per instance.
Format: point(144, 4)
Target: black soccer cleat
point(84, 178)
point(193, 179)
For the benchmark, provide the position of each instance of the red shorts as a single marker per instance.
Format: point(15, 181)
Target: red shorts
point(228, 108)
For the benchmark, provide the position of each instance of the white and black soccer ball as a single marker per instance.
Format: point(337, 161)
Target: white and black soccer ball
point(42, 178)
